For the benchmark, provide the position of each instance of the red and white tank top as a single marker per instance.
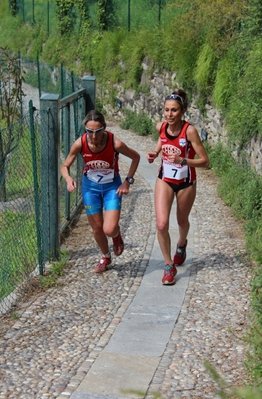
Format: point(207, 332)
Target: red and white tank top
point(103, 163)
point(175, 173)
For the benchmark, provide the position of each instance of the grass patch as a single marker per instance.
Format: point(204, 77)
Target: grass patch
point(18, 257)
point(56, 270)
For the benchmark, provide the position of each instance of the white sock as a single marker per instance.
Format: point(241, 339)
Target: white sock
point(117, 234)
point(108, 255)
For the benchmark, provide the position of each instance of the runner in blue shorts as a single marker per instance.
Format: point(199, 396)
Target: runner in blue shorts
point(99, 196)
point(102, 187)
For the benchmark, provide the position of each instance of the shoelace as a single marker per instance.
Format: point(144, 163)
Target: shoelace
point(168, 269)
point(180, 251)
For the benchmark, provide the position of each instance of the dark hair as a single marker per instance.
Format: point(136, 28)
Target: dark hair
point(96, 116)
point(180, 96)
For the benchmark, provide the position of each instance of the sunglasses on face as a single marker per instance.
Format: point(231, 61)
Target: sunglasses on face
point(91, 131)
point(174, 97)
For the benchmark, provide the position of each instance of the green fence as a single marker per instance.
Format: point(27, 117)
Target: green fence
point(35, 207)
point(20, 251)
point(47, 78)
point(125, 14)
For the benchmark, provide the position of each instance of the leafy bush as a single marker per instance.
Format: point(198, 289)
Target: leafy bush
point(220, 158)
point(139, 123)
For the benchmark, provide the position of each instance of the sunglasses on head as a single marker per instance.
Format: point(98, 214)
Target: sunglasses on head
point(91, 131)
point(174, 97)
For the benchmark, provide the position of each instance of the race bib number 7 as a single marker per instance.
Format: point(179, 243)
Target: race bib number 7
point(101, 176)
point(175, 172)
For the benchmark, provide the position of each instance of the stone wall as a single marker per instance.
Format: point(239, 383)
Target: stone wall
point(156, 86)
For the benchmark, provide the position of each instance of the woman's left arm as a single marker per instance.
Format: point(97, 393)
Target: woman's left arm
point(202, 160)
point(123, 149)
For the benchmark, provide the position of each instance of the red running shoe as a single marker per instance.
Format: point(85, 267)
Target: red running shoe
point(118, 245)
point(169, 275)
point(180, 255)
point(103, 264)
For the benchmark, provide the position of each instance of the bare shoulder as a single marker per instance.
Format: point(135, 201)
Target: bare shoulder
point(77, 145)
point(117, 142)
point(121, 146)
point(192, 133)
point(158, 126)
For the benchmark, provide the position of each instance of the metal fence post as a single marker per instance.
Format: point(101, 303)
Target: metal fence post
point(159, 11)
point(23, 11)
point(89, 83)
point(50, 149)
point(48, 18)
point(36, 188)
point(38, 76)
point(66, 139)
point(128, 16)
point(33, 11)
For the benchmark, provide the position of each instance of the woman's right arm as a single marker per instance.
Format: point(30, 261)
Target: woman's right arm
point(151, 156)
point(74, 151)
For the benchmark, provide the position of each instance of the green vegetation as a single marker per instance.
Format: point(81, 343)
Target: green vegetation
point(18, 253)
point(215, 48)
point(16, 259)
point(241, 189)
point(51, 278)
point(140, 123)
point(225, 392)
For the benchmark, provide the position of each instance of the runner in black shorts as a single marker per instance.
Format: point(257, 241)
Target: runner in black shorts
point(179, 142)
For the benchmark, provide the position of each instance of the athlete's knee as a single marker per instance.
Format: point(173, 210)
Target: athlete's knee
point(162, 226)
point(183, 223)
point(97, 230)
point(111, 231)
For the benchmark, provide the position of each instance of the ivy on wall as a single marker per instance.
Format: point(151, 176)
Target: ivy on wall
point(101, 15)
point(63, 12)
point(13, 7)
point(66, 15)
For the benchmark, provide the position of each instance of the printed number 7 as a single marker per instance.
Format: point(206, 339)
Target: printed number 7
point(100, 178)
point(175, 172)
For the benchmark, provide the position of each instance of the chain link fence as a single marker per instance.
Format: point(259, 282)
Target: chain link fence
point(47, 78)
point(20, 250)
point(128, 15)
point(35, 207)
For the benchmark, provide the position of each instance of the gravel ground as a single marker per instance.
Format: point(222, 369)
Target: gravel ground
point(42, 351)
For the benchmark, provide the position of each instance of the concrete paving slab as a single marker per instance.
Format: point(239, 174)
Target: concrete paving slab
point(117, 375)
point(148, 322)
point(132, 355)
point(142, 338)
